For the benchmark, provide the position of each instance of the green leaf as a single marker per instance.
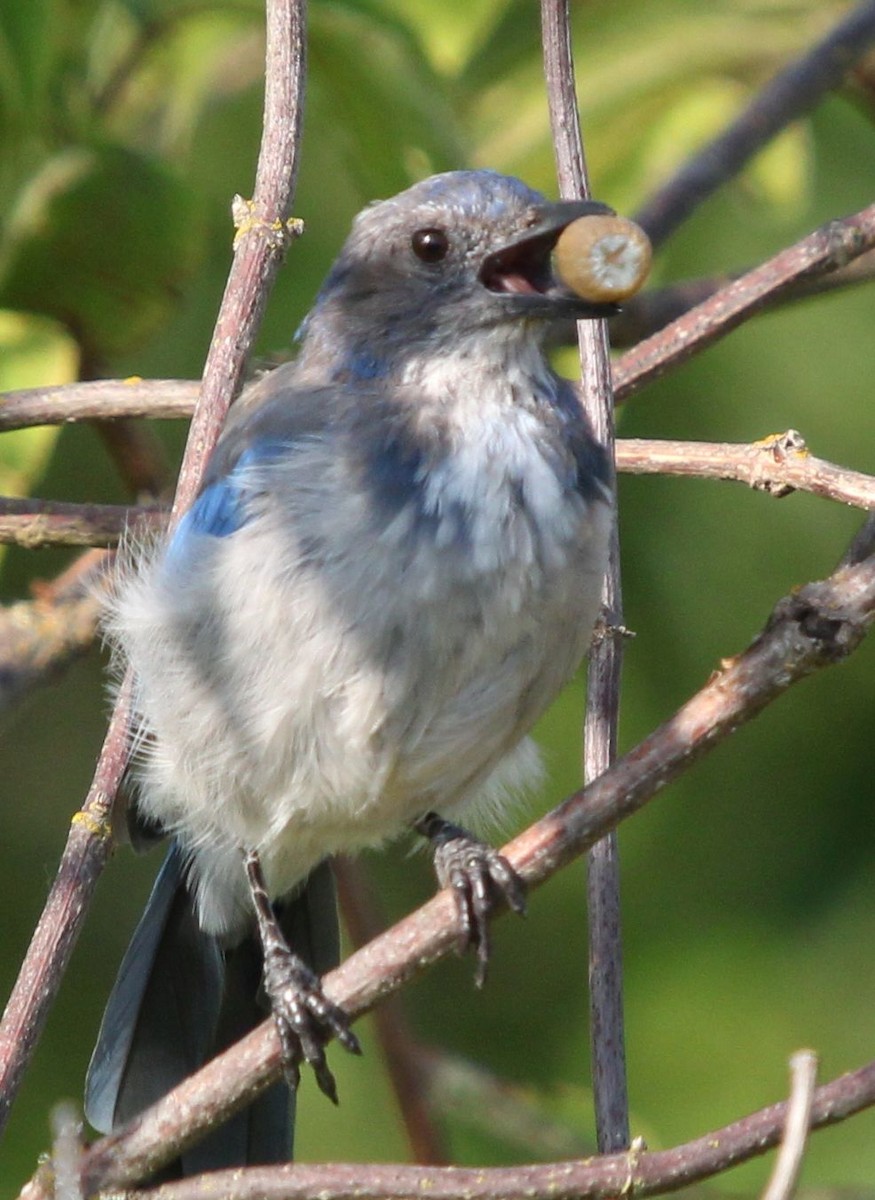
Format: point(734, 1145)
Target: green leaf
point(100, 239)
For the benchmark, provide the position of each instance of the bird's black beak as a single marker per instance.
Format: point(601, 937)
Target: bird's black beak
point(522, 272)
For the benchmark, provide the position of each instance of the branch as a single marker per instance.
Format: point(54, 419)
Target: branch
point(778, 464)
point(815, 627)
point(37, 523)
point(99, 400)
point(602, 716)
point(264, 232)
point(652, 310)
point(797, 1124)
point(39, 637)
point(260, 243)
point(633, 1173)
point(832, 245)
point(791, 94)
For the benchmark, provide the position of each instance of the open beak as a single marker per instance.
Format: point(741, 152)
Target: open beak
point(522, 270)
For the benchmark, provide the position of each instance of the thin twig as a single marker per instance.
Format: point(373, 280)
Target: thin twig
point(66, 1150)
point(797, 1125)
point(259, 246)
point(636, 1172)
point(264, 231)
point(832, 245)
point(788, 96)
point(816, 626)
point(601, 720)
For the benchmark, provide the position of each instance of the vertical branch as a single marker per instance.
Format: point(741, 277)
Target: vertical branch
point(263, 233)
point(603, 680)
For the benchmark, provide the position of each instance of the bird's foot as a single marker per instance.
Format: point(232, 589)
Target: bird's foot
point(477, 876)
point(304, 1016)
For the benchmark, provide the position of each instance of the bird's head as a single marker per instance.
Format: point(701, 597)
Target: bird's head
point(457, 254)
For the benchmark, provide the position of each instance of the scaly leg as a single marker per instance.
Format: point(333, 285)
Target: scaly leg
point(303, 1014)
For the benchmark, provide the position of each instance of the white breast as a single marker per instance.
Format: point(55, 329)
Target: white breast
point(305, 709)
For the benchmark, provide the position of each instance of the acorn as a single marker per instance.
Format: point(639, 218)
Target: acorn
point(604, 259)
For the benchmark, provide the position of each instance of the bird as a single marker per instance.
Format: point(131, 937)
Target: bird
point(392, 568)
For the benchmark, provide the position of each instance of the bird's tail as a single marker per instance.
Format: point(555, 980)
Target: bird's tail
point(179, 999)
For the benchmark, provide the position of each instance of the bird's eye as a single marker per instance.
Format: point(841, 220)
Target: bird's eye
point(431, 245)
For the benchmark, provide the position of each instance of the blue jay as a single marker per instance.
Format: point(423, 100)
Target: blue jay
point(392, 568)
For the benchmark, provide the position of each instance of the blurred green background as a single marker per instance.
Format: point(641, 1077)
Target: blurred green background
point(749, 898)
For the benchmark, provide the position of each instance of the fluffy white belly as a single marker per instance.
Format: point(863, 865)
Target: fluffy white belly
point(301, 711)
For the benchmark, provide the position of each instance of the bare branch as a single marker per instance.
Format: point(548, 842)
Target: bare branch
point(66, 1150)
point(99, 400)
point(39, 637)
point(816, 626)
point(778, 464)
point(797, 1124)
point(652, 310)
point(258, 249)
point(793, 92)
point(633, 1173)
point(830, 246)
point(601, 720)
point(264, 230)
point(37, 523)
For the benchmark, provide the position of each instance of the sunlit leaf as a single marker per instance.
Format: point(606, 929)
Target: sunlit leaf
point(34, 352)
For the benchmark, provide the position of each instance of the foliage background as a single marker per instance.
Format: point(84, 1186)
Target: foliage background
point(125, 128)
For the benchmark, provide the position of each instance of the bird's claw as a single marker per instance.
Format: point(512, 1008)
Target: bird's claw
point(304, 1018)
point(477, 875)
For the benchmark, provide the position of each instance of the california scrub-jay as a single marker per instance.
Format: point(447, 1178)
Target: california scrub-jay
point(392, 568)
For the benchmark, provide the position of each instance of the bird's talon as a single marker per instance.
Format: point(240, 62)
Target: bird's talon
point(477, 875)
point(304, 1018)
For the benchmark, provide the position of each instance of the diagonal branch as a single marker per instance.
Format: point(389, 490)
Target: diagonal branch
point(39, 637)
point(791, 94)
point(650, 311)
point(633, 1173)
point(832, 245)
point(262, 238)
point(817, 626)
